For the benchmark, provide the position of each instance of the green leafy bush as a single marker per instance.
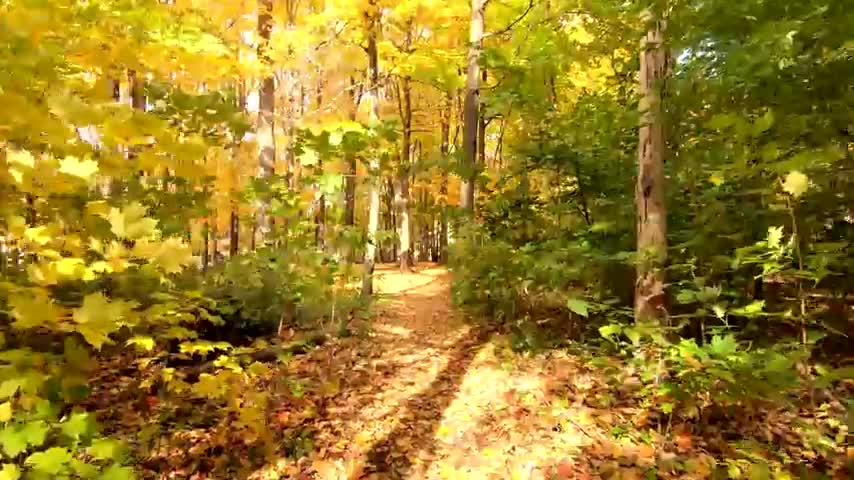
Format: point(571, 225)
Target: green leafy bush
point(275, 288)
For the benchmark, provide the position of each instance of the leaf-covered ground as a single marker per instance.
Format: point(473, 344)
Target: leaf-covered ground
point(424, 394)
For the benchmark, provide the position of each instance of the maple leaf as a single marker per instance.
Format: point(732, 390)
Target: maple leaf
point(172, 255)
point(78, 168)
point(131, 222)
point(796, 184)
point(34, 310)
point(98, 317)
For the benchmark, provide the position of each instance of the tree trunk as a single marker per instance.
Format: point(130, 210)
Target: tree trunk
point(137, 91)
point(391, 221)
point(294, 92)
point(471, 113)
point(206, 257)
point(320, 232)
point(350, 162)
point(406, 260)
point(234, 220)
point(649, 193)
point(267, 104)
point(445, 149)
point(215, 237)
point(374, 165)
point(481, 132)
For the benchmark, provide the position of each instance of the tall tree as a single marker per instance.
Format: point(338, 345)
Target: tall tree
point(649, 193)
point(320, 220)
point(234, 217)
point(471, 112)
point(372, 17)
point(266, 107)
point(405, 94)
point(445, 115)
point(354, 94)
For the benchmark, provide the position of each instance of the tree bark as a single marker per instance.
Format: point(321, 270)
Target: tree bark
point(650, 295)
point(446, 113)
point(234, 220)
point(481, 132)
point(350, 162)
point(405, 256)
point(374, 164)
point(320, 232)
point(267, 104)
point(137, 91)
point(471, 113)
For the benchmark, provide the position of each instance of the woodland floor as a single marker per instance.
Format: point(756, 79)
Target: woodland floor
point(423, 394)
point(427, 395)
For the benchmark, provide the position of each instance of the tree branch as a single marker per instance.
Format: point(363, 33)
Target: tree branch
point(512, 24)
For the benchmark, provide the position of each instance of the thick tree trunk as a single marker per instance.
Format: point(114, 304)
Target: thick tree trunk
point(405, 256)
point(267, 104)
point(374, 165)
point(471, 113)
point(649, 194)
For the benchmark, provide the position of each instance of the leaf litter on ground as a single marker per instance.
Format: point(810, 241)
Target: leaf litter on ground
point(423, 394)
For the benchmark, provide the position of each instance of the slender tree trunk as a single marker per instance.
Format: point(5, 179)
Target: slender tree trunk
point(374, 165)
point(406, 259)
point(295, 93)
point(471, 113)
point(137, 91)
point(391, 219)
point(234, 220)
point(350, 163)
point(266, 108)
point(445, 149)
point(481, 132)
point(320, 232)
point(649, 194)
point(206, 257)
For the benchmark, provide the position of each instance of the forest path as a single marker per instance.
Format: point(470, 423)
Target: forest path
point(427, 395)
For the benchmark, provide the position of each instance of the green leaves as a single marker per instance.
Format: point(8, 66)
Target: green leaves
point(35, 433)
point(78, 425)
point(51, 461)
point(12, 441)
point(611, 330)
point(33, 309)
point(117, 472)
point(578, 306)
point(9, 387)
point(10, 472)
point(722, 346)
point(106, 449)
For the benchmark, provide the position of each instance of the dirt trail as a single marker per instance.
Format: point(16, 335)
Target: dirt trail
point(427, 395)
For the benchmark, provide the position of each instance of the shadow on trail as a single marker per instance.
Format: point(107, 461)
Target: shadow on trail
point(420, 416)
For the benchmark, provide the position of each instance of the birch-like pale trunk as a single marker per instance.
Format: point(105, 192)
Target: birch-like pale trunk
point(265, 133)
point(471, 109)
point(372, 95)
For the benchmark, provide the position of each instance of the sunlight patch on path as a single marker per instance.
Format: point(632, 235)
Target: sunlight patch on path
point(427, 396)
